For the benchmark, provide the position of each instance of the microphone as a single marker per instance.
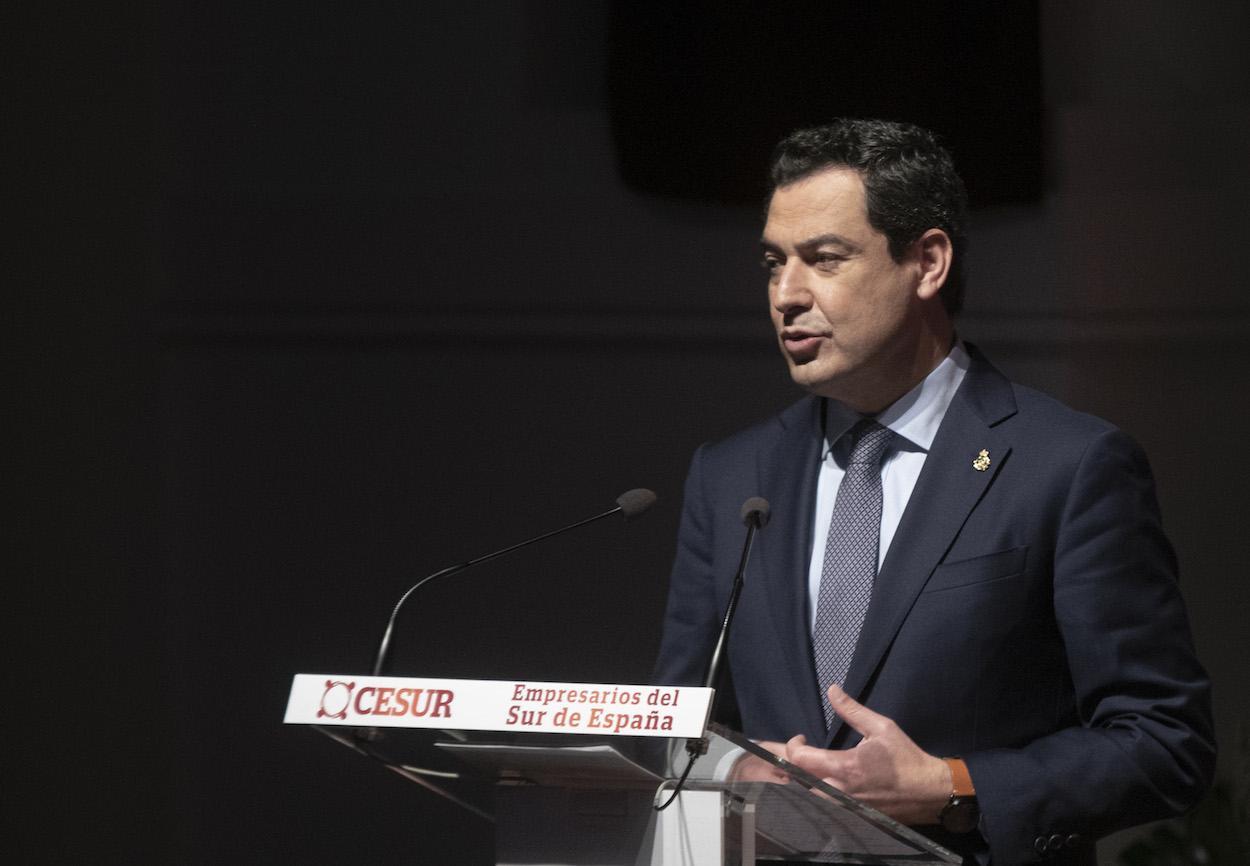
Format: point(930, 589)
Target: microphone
point(632, 503)
point(756, 510)
point(755, 513)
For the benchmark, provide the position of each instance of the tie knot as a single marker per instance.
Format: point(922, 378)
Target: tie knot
point(869, 442)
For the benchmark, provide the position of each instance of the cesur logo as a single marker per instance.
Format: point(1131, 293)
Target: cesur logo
point(341, 697)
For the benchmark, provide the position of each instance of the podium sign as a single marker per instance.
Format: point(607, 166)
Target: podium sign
point(498, 705)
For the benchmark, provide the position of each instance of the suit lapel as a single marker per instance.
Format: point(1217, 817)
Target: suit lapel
point(947, 490)
point(788, 473)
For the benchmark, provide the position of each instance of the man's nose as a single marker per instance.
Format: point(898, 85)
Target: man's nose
point(790, 291)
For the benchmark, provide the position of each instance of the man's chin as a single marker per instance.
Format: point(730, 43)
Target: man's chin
point(823, 383)
point(812, 376)
point(810, 373)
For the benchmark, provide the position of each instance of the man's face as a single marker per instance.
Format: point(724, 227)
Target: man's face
point(847, 315)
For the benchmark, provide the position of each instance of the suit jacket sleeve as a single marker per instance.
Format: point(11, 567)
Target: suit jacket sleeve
point(1142, 747)
point(690, 625)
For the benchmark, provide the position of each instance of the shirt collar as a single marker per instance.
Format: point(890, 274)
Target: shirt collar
point(916, 415)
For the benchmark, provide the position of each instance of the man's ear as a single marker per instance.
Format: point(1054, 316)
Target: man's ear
point(934, 253)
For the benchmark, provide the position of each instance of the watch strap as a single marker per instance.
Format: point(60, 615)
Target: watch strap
point(961, 780)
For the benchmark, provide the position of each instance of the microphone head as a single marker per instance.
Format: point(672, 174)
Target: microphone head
point(635, 502)
point(755, 510)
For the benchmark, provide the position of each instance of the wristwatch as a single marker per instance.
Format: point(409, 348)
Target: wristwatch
point(961, 812)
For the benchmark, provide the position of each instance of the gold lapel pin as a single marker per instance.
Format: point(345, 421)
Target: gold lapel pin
point(982, 462)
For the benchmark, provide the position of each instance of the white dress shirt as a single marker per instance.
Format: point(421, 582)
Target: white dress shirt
point(914, 418)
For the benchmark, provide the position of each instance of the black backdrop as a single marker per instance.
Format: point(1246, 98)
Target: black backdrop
point(318, 298)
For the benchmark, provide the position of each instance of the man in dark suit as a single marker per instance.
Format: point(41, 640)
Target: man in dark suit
point(979, 634)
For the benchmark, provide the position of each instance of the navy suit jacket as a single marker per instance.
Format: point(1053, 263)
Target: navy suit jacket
point(1026, 616)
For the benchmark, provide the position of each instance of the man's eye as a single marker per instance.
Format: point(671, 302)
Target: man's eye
point(769, 263)
point(829, 259)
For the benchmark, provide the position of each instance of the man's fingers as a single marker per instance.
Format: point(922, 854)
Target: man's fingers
point(778, 749)
point(863, 720)
point(797, 749)
point(821, 763)
point(750, 768)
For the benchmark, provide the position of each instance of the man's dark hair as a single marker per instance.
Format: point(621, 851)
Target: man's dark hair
point(909, 181)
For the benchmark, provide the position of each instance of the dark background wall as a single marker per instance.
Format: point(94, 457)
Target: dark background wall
point(320, 299)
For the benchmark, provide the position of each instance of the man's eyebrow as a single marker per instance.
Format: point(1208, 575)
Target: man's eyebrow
point(828, 239)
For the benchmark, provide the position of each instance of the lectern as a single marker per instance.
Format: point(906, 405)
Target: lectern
point(578, 800)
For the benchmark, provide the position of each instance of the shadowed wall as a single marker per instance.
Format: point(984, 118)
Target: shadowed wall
point(331, 303)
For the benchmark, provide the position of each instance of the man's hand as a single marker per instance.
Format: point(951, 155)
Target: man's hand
point(886, 769)
point(749, 768)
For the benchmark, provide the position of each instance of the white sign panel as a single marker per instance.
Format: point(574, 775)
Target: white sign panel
point(498, 705)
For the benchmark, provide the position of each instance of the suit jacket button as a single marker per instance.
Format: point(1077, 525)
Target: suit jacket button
point(1054, 843)
point(1039, 844)
point(1074, 840)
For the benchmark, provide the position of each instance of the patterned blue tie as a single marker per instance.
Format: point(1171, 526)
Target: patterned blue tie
point(850, 565)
